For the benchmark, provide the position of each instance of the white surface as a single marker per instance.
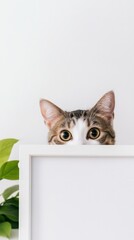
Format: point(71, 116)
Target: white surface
point(83, 199)
point(90, 196)
point(14, 235)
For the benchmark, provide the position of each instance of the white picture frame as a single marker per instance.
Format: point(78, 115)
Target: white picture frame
point(112, 162)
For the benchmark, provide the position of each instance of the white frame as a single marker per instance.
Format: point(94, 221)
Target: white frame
point(29, 151)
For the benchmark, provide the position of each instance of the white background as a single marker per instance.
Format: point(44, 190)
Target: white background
point(70, 52)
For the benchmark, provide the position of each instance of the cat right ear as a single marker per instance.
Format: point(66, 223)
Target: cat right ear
point(105, 106)
point(50, 112)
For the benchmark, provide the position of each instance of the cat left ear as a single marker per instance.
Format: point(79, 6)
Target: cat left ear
point(105, 106)
point(50, 112)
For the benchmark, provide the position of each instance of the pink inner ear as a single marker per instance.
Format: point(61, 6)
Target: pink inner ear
point(106, 103)
point(51, 120)
point(50, 112)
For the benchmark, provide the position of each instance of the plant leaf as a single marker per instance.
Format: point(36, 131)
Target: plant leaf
point(5, 229)
point(14, 225)
point(2, 218)
point(6, 146)
point(9, 170)
point(12, 201)
point(10, 212)
point(9, 191)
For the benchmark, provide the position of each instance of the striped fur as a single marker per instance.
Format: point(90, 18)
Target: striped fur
point(79, 122)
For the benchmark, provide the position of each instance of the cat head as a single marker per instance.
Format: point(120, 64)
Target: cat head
point(91, 126)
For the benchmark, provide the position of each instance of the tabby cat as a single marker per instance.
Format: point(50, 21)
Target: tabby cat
point(88, 127)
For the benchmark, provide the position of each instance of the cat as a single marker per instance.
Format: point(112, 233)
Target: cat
point(88, 127)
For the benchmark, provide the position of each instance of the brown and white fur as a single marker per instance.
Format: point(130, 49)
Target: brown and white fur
point(88, 127)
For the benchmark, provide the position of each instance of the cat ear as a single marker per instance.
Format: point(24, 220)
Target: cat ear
point(50, 112)
point(105, 106)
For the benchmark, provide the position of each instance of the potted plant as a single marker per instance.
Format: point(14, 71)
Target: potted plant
point(9, 198)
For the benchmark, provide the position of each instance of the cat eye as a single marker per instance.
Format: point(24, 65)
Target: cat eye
point(93, 133)
point(65, 135)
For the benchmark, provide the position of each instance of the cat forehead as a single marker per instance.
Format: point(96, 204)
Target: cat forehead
point(80, 126)
point(81, 118)
point(76, 114)
point(77, 117)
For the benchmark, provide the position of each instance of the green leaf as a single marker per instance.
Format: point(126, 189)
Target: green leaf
point(10, 212)
point(14, 225)
point(9, 191)
point(12, 201)
point(10, 170)
point(2, 218)
point(6, 146)
point(5, 229)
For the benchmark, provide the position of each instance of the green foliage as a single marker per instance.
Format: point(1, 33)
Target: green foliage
point(9, 191)
point(5, 229)
point(9, 170)
point(6, 146)
point(9, 208)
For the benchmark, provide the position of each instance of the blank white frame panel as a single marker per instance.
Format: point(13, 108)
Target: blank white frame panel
point(76, 192)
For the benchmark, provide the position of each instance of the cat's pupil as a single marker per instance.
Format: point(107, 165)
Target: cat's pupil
point(94, 132)
point(65, 135)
